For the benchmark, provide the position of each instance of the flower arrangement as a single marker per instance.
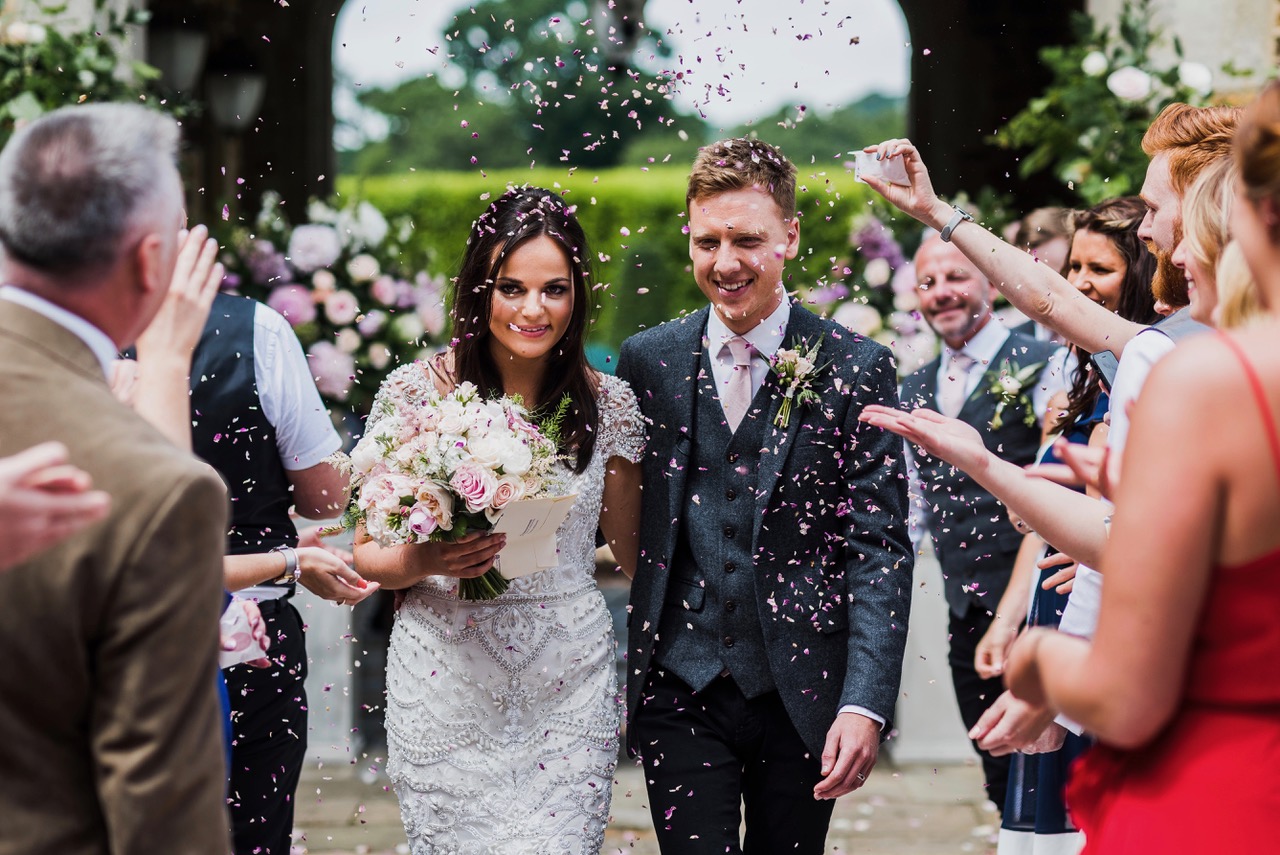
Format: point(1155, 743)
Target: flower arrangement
point(796, 368)
point(50, 58)
point(1088, 124)
point(438, 469)
point(1009, 386)
point(339, 280)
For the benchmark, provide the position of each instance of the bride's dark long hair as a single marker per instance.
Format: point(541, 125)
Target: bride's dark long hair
point(519, 215)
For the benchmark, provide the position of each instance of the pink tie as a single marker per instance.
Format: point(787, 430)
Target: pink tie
point(952, 386)
point(737, 393)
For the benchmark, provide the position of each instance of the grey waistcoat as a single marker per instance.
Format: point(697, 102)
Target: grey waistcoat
point(710, 620)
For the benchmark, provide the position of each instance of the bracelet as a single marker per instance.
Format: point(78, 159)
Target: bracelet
point(960, 216)
point(291, 569)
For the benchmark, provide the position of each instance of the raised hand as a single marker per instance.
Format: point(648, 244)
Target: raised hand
point(175, 330)
point(952, 440)
point(1083, 466)
point(43, 500)
point(919, 199)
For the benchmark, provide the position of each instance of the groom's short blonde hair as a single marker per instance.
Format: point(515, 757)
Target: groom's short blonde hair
point(733, 164)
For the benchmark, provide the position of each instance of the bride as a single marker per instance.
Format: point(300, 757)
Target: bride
point(502, 715)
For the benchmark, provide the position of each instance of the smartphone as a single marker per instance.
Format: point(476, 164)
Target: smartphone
point(1105, 363)
point(892, 169)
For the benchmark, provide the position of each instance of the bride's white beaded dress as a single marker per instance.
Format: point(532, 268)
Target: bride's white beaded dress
point(503, 715)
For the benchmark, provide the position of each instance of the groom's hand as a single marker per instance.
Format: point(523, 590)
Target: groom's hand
point(853, 744)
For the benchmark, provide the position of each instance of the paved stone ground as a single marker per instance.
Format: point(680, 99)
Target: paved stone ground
point(913, 810)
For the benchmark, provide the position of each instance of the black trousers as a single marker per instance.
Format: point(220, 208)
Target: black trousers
point(708, 753)
point(268, 736)
point(975, 695)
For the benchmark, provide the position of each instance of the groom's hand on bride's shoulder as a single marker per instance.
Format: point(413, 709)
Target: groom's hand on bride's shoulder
point(853, 744)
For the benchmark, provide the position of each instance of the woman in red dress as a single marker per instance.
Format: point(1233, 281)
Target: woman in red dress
point(1181, 683)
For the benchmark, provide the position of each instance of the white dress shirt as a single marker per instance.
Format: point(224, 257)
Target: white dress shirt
point(766, 338)
point(95, 339)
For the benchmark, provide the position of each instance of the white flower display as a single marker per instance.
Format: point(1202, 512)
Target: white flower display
point(1095, 64)
point(312, 247)
point(1196, 77)
point(878, 272)
point(363, 268)
point(1129, 83)
point(859, 317)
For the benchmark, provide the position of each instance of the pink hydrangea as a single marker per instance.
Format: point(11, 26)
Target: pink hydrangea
point(294, 302)
point(333, 370)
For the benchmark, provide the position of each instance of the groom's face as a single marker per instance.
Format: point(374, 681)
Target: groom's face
point(739, 242)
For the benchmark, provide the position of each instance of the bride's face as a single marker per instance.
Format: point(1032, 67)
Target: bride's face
point(532, 301)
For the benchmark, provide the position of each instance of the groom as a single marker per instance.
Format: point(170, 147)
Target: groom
point(769, 607)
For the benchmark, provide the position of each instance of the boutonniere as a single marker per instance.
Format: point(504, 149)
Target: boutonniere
point(796, 368)
point(1010, 386)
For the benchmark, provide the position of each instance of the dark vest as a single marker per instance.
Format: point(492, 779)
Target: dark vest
point(975, 543)
point(710, 619)
point(230, 433)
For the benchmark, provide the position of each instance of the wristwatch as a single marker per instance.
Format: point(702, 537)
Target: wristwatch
point(960, 216)
point(291, 569)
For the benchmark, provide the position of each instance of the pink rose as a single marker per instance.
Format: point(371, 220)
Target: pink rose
point(384, 290)
point(334, 371)
point(421, 521)
point(341, 307)
point(475, 485)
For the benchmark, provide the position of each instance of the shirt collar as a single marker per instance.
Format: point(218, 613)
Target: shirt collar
point(95, 339)
point(766, 337)
point(984, 346)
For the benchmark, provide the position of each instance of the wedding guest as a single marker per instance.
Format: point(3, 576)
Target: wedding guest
point(1181, 681)
point(112, 749)
point(1000, 382)
point(502, 714)
point(1238, 300)
point(769, 608)
point(1206, 227)
point(1109, 264)
point(257, 418)
point(43, 501)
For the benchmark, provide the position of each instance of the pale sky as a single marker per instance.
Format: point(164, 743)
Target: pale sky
point(741, 59)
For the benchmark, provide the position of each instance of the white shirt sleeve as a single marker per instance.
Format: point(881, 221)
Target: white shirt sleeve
point(1140, 355)
point(290, 402)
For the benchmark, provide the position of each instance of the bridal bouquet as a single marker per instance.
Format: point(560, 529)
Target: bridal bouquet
point(447, 466)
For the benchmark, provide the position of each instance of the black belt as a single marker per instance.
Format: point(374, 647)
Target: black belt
point(271, 607)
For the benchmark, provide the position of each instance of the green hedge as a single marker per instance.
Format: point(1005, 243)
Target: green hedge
point(633, 219)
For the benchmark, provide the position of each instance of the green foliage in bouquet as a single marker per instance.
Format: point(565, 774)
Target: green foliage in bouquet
point(46, 63)
point(1087, 126)
point(343, 282)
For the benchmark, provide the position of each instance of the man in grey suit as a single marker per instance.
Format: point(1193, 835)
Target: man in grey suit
point(769, 607)
point(108, 708)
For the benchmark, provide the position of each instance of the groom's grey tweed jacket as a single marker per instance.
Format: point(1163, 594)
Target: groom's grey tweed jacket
point(823, 525)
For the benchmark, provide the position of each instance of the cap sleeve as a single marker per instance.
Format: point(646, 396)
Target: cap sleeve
point(622, 427)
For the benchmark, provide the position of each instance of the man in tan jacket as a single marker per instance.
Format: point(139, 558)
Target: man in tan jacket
point(110, 739)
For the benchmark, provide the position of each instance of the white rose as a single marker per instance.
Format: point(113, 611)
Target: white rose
point(858, 317)
point(363, 268)
point(486, 450)
point(87, 78)
point(365, 455)
point(439, 500)
point(379, 356)
point(452, 418)
point(1010, 385)
point(323, 282)
point(1129, 83)
point(1196, 77)
point(515, 457)
point(804, 366)
point(312, 247)
point(348, 340)
point(878, 272)
point(1095, 64)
